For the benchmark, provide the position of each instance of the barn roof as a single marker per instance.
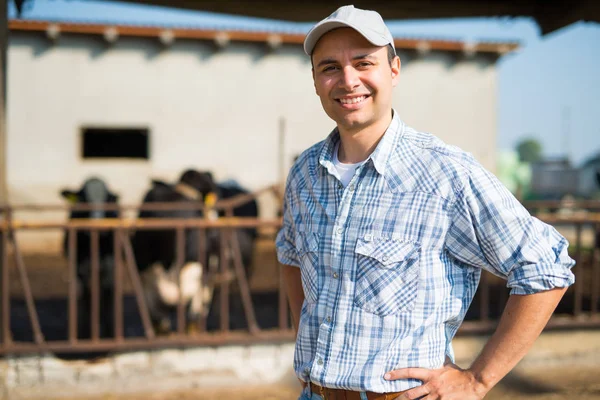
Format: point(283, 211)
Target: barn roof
point(96, 17)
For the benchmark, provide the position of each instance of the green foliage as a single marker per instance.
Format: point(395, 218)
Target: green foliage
point(530, 150)
point(515, 175)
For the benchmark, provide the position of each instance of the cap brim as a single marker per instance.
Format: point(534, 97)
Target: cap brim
point(320, 29)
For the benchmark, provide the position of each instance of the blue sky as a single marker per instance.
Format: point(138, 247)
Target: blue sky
point(549, 90)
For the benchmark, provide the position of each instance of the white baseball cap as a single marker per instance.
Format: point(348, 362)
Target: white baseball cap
point(366, 22)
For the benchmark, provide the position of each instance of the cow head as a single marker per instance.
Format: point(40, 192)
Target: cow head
point(202, 182)
point(94, 192)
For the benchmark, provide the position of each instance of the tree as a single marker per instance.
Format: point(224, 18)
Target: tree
point(530, 150)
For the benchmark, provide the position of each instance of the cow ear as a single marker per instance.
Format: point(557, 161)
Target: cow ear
point(72, 197)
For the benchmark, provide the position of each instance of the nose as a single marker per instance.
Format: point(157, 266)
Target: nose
point(350, 78)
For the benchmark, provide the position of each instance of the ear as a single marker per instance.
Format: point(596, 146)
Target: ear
point(158, 182)
point(396, 65)
point(209, 175)
point(72, 197)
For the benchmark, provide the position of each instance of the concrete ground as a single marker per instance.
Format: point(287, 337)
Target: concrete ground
point(555, 383)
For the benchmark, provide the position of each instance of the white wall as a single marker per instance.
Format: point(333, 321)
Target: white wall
point(453, 98)
point(205, 109)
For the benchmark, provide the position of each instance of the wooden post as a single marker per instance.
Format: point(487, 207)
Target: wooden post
point(3, 152)
point(3, 142)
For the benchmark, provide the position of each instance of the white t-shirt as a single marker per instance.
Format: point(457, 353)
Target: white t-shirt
point(345, 171)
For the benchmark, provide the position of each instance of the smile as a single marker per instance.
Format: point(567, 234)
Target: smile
point(353, 100)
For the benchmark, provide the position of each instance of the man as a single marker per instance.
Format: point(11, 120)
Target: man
point(390, 229)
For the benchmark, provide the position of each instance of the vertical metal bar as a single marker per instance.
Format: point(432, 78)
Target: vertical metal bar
point(118, 284)
point(281, 149)
point(33, 316)
point(72, 285)
point(224, 281)
point(203, 260)
point(95, 285)
point(179, 264)
point(5, 337)
point(137, 285)
point(596, 274)
point(4, 276)
point(3, 56)
point(595, 266)
point(179, 248)
point(484, 298)
point(579, 270)
point(242, 281)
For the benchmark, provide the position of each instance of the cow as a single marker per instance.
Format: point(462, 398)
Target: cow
point(156, 255)
point(227, 190)
point(156, 249)
point(95, 193)
point(164, 289)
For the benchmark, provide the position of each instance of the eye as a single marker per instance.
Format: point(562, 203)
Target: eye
point(329, 68)
point(364, 64)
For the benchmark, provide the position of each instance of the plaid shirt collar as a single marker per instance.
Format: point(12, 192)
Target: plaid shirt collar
point(382, 156)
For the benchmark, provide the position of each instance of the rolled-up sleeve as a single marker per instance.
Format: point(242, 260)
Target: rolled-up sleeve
point(491, 230)
point(285, 243)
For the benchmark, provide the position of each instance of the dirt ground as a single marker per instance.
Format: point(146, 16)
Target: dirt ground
point(581, 383)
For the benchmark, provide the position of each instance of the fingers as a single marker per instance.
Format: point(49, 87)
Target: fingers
point(416, 393)
point(421, 374)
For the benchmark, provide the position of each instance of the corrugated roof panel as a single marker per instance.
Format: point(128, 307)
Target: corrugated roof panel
point(115, 13)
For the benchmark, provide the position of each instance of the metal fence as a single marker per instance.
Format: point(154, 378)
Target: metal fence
point(579, 307)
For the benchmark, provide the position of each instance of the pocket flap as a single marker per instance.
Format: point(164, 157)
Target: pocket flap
point(387, 251)
point(307, 242)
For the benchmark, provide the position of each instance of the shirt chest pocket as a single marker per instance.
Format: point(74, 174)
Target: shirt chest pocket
point(387, 276)
point(307, 244)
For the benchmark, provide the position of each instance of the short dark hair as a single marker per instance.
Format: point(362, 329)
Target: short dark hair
point(391, 54)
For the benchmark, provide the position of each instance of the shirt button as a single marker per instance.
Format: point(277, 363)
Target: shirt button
point(368, 237)
point(384, 258)
point(328, 319)
point(335, 275)
point(339, 231)
point(320, 361)
point(351, 188)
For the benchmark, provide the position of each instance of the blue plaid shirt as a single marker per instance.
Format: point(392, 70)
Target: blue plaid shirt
point(390, 263)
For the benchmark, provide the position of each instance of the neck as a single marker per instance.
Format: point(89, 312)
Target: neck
point(357, 145)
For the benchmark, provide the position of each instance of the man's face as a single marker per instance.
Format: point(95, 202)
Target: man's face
point(354, 79)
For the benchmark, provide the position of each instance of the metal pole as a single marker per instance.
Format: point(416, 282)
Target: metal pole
point(3, 152)
point(281, 166)
point(3, 53)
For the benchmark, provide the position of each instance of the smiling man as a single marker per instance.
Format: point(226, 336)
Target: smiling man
point(386, 231)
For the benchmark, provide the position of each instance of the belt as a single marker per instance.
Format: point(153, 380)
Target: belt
point(342, 394)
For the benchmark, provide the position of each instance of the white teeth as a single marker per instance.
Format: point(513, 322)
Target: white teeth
point(353, 100)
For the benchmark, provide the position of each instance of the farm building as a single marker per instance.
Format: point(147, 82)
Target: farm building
point(128, 103)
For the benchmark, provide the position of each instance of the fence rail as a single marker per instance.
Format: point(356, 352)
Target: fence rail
point(579, 308)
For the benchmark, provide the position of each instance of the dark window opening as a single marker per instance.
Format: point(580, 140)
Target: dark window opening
point(115, 143)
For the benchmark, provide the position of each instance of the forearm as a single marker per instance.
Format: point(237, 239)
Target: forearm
point(293, 286)
point(521, 323)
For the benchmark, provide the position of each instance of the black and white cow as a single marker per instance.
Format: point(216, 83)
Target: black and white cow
point(156, 249)
point(227, 190)
point(156, 255)
point(95, 193)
